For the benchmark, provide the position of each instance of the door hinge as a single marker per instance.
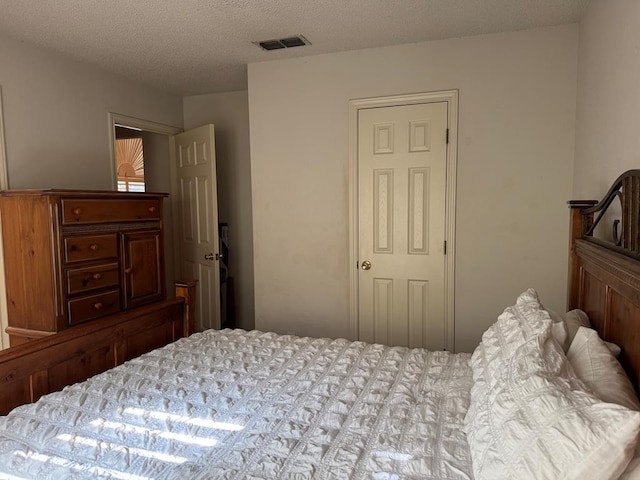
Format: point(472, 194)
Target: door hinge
point(445, 247)
point(447, 136)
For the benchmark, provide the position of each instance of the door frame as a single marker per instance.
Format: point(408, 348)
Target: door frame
point(154, 127)
point(4, 177)
point(4, 184)
point(451, 99)
point(146, 125)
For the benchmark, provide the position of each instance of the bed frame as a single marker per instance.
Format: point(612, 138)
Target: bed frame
point(603, 280)
point(604, 276)
point(48, 364)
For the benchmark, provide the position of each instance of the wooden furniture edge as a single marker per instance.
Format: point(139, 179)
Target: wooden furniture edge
point(577, 227)
point(43, 365)
point(606, 285)
point(186, 289)
point(79, 193)
point(26, 332)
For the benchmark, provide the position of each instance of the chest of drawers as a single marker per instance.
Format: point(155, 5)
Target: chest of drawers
point(72, 256)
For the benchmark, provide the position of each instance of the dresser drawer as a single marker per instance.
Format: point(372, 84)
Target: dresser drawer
point(93, 306)
point(79, 211)
point(80, 248)
point(89, 278)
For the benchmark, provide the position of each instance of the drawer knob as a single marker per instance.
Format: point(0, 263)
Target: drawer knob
point(151, 209)
point(128, 270)
point(77, 211)
point(97, 306)
point(97, 276)
point(93, 247)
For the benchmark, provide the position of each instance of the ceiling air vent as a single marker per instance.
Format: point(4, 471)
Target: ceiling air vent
point(288, 42)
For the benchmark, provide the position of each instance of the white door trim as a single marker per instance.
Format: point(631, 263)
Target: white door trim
point(451, 98)
point(4, 184)
point(153, 127)
point(146, 125)
point(4, 178)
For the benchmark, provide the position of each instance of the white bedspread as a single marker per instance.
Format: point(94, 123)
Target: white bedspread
point(233, 405)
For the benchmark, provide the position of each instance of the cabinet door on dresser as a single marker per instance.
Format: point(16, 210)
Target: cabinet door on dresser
point(143, 266)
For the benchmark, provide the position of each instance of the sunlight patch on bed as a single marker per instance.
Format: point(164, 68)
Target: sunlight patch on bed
point(405, 457)
point(179, 437)
point(91, 442)
point(385, 476)
point(7, 476)
point(39, 457)
point(200, 422)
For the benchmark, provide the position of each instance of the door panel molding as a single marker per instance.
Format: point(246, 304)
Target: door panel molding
point(451, 98)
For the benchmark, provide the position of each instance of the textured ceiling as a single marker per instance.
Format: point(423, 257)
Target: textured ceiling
point(203, 46)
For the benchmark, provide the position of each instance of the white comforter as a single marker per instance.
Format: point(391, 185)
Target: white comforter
point(233, 405)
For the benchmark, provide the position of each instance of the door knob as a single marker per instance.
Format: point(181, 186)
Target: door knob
point(208, 256)
point(366, 265)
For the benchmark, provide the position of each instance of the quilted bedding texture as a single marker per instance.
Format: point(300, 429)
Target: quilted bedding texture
point(233, 405)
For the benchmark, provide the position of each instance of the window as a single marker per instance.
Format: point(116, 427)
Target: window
point(130, 162)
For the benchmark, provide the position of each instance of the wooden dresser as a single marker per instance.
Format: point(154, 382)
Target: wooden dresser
point(72, 256)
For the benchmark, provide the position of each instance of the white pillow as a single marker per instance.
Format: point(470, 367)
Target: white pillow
point(530, 417)
point(595, 365)
point(559, 331)
point(575, 319)
point(633, 469)
point(613, 348)
point(516, 325)
point(566, 326)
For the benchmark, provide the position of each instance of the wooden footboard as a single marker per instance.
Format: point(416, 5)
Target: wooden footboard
point(48, 364)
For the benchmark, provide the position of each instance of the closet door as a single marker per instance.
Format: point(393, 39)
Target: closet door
point(402, 159)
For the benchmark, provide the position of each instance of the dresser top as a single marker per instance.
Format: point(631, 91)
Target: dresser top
point(81, 193)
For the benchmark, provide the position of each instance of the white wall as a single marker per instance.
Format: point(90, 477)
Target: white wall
point(229, 112)
point(55, 113)
point(608, 108)
point(516, 127)
point(56, 121)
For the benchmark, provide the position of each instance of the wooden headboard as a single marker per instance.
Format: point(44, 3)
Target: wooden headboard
point(604, 270)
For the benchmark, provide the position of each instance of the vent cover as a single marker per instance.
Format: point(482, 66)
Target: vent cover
point(288, 42)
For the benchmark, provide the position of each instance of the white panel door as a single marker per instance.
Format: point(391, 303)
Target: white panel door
point(402, 155)
point(198, 220)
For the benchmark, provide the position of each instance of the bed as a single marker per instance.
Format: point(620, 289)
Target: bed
point(232, 404)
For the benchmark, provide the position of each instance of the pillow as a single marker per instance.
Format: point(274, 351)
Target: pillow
point(574, 320)
point(566, 326)
point(633, 469)
point(595, 365)
point(613, 348)
point(516, 325)
point(530, 417)
point(559, 331)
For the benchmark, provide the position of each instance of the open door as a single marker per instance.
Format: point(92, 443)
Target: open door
point(196, 211)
